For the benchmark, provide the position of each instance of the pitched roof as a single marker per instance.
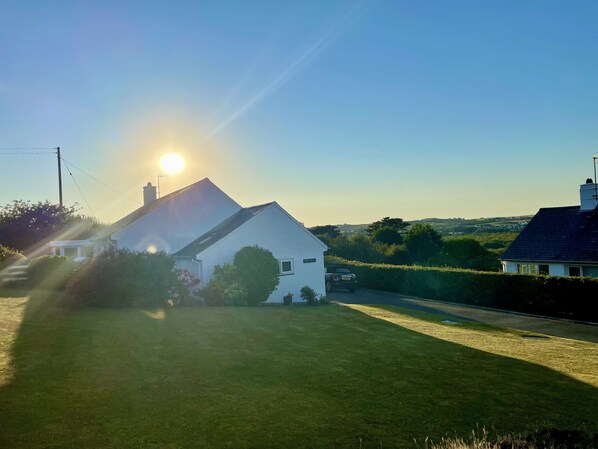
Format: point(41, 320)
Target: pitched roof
point(144, 210)
point(220, 231)
point(557, 234)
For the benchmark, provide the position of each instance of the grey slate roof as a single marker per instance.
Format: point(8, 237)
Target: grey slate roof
point(143, 210)
point(557, 234)
point(220, 231)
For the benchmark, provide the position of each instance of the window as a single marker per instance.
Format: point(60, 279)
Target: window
point(527, 268)
point(286, 266)
point(574, 271)
point(544, 269)
point(70, 251)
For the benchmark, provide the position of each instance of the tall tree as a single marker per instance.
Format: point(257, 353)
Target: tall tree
point(388, 230)
point(24, 225)
point(330, 231)
point(422, 243)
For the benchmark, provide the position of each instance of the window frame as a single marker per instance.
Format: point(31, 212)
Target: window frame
point(286, 273)
point(579, 267)
point(528, 268)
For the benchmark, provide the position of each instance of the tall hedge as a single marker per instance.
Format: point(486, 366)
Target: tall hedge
point(561, 297)
point(123, 278)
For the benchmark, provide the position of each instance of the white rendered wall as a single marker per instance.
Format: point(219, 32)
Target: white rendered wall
point(557, 269)
point(509, 267)
point(276, 231)
point(178, 222)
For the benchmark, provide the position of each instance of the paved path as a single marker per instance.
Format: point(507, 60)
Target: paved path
point(556, 327)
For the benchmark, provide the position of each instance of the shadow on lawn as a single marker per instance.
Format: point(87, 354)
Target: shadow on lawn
point(315, 377)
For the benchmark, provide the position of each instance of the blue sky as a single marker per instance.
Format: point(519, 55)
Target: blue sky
point(342, 111)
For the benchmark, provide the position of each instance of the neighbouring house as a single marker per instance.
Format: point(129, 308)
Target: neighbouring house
point(559, 241)
point(202, 227)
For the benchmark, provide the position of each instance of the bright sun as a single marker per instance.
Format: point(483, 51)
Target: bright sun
point(172, 163)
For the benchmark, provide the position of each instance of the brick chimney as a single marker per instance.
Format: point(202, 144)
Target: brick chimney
point(149, 194)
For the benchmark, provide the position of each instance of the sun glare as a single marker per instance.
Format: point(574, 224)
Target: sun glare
point(172, 163)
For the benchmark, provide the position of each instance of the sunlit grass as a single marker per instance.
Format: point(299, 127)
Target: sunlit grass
point(577, 359)
point(298, 377)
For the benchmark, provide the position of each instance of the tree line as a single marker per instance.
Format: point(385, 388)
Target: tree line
point(394, 241)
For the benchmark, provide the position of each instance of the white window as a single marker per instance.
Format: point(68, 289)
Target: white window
point(286, 266)
point(528, 268)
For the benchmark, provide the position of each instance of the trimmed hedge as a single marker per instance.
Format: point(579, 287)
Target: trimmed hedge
point(561, 297)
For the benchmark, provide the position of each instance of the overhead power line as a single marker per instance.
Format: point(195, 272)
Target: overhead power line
point(100, 181)
point(78, 188)
point(28, 148)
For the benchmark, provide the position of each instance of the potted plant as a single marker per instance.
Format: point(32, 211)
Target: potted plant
point(287, 299)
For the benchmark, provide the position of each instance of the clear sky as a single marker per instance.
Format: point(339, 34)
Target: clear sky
point(342, 111)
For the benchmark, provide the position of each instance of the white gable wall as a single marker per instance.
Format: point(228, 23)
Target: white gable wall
point(276, 231)
point(179, 221)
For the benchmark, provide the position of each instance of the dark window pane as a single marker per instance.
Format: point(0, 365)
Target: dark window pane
point(543, 269)
point(574, 271)
point(286, 266)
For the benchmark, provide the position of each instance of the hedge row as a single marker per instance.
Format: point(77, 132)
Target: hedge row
point(561, 297)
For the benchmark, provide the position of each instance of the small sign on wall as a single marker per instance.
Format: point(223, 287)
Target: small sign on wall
point(309, 260)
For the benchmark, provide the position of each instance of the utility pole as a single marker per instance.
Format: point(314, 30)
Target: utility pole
point(59, 176)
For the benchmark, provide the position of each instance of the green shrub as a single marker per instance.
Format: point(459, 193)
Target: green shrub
point(9, 256)
point(308, 295)
point(225, 288)
point(562, 297)
point(323, 300)
point(51, 272)
point(124, 278)
point(258, 272)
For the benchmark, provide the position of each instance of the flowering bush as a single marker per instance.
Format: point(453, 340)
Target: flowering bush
point(185, 290)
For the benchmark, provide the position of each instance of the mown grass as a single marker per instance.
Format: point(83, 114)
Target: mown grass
point(298, 377)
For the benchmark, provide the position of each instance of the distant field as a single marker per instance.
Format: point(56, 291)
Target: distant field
point(297, 377)
point(496, 242)
point(460, 226)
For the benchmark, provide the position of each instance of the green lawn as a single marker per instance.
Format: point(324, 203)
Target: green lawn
point(297, 377)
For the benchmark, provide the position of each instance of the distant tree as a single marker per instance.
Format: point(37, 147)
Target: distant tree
point(422, 243)
point(356, 247)
point(258, 273)
point(460, 252)
point(387, 231)
point(24, 225)
point(329, 231)
point(466, 253)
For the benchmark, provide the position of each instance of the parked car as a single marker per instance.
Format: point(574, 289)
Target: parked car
point(339, 277)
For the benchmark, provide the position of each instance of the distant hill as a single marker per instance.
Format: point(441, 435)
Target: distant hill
point(458, 226)
point(495, 234)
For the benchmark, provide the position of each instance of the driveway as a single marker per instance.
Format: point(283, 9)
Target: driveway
point(547, 326)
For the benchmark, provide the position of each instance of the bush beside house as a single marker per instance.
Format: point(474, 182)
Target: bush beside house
point(562, 297)
point(50, 272)
point(123, 278)
point(9, 256)
point(249, 280)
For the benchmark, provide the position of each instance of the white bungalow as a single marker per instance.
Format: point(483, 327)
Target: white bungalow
point(203, 227)
point(559, 241)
